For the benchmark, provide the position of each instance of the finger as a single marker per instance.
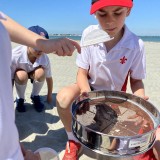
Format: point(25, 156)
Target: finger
point(70, 48)
point(76, 45)
point(82, 97)
point(146, 98)
point(85, 94)
point(60, 52)
point(67, 51)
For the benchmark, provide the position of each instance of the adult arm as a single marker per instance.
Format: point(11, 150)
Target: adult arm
point(19, 34)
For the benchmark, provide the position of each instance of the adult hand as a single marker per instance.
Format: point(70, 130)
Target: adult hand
point(19, 34)
point(60, 46)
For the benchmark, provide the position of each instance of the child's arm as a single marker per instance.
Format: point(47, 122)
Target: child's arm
point(82, 80)
point(137, 88)
point(50, 88)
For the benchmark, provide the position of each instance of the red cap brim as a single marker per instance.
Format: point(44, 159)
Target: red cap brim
point(103, 3)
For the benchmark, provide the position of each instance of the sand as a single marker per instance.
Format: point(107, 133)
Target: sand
point(45, 129)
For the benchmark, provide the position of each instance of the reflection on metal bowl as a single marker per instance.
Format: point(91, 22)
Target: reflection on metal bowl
point(114, 123)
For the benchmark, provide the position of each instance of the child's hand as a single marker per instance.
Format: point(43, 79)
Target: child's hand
point(83, 96)
point(82, 100)
point(145, 98)
point(49, 99)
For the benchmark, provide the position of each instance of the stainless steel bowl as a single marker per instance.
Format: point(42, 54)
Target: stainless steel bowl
point(105, 123)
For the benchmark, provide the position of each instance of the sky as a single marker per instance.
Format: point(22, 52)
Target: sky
point(72, 16)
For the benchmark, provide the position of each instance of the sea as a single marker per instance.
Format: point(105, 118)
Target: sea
point(144, 38)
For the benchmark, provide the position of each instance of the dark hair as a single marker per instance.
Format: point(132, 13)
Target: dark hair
point(93, 1)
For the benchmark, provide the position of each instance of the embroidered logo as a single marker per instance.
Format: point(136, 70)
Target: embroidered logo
point(123, 60)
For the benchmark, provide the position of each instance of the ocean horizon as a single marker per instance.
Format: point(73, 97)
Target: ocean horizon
point(78, 37)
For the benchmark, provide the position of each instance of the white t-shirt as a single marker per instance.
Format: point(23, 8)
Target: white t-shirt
point(109, 70)
point(20, 61)
point(9, 139)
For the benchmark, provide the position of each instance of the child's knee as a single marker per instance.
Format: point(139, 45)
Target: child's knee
point(63, 100)
point(39, 74)
point(21, 77)
point(39, 77)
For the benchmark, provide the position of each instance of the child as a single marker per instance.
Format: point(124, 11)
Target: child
point(30, 63)
point(104, 66)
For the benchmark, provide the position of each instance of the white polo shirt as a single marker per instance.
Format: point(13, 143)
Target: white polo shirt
point(109, 70)
point(20, 61)
point(9, 139)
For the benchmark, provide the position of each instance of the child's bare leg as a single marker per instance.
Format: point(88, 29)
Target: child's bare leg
point(39, 74)
point(39, 78)
point(21, 77)
point(65, 99)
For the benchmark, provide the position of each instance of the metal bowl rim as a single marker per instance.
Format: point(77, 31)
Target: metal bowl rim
point(122, 137)
point(128, 137)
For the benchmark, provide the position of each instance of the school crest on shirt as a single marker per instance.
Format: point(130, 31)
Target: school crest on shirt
point(123, 60)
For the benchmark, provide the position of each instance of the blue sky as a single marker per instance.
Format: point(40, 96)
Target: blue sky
point(72, 16)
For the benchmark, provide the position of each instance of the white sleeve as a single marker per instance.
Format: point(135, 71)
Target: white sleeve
point(82, 60)
point(138, 68)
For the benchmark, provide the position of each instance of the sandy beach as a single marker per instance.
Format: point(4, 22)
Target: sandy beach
point(45, 129)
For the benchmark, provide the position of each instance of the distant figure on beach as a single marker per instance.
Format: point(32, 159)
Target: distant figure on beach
point(9, 140)
point(104, 66)
point(30, 63)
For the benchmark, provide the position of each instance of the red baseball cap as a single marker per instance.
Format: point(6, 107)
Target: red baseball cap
point(98, 4)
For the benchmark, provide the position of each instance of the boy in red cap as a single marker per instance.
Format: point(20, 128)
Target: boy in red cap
point(105, 66)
